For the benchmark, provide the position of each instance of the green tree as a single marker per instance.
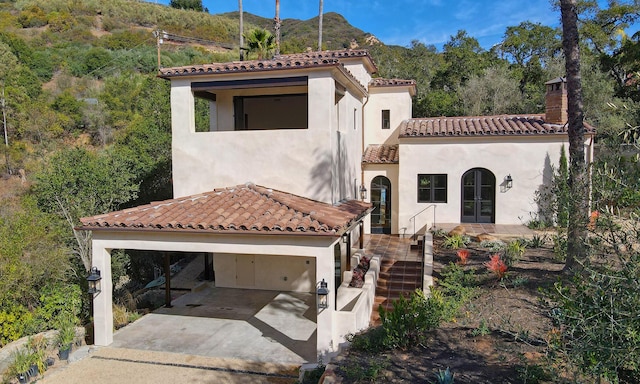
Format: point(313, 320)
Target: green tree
point(493, 92)
point(578, 181)
point(530, 41)
point(260, 41)
point(194, 5)
point(78, 183)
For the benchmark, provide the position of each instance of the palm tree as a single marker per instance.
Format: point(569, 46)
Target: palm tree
point(579, 205)
point(260, 41)
point(320, 26)
point(241, 30)
point(277, 27)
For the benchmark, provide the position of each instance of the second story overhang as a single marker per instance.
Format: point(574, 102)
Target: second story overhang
point(292, 69)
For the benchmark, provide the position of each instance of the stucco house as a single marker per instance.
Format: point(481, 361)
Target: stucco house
point(301, 155)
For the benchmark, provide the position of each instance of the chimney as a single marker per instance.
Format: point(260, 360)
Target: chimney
point(556, 101)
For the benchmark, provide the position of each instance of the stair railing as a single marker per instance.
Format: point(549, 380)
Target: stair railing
point(413, 218)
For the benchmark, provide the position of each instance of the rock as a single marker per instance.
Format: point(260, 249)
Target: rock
point(485, 237)
point(459, 230)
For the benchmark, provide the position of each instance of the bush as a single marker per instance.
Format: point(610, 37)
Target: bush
point(493, 245)
point(513, 252)
point(598, 310)
point(409, 320)
point(456, 241)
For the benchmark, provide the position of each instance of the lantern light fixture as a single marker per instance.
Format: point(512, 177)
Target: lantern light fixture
point(323, 294)
point(509, 181)
point(94, 281)
point(363, 192)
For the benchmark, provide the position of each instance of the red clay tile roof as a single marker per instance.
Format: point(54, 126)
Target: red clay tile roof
point(282, 62)
point(249, 209)
point(381, 154)
point(502, 125)
point(380, 82)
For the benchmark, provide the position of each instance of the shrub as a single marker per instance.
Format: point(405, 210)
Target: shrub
point(444, 377)
point(463, 255)
point(456, 285)
point(33, 16)
point(496, 265)
point(560, 245)
point(410, 318)
point(513, 252)
point(493, 245)
point(598, 310)
point(405, 325)
point(537, 241)
point(456, 241)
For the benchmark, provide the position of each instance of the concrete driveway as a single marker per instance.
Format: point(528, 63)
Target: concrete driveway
point(262, 326)
point(214, 335)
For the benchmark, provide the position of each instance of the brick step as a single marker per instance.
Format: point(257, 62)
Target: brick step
point(407, 289)
point(410, 275)
point(401, 269)
point(391, 284)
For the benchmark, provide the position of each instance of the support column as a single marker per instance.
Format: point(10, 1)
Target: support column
point(167, 280)
point(103, 301)
point(325, 270)
point(208, 266)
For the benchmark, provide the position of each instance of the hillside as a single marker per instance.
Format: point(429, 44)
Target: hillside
point(298, 35)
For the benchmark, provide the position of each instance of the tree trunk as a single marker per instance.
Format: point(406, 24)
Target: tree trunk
point(241, 30)
point(578, 179)
point(320, 26)
point(277, 27)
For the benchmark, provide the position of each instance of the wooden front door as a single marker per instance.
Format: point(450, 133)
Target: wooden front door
point(478, 196)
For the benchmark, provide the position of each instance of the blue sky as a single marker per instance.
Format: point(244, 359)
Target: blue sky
point(398, 22)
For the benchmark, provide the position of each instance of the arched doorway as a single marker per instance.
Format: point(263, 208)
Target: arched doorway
point(381, 200)
point(478, 196)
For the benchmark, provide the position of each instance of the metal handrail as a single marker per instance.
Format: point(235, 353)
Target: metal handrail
point(413, 237)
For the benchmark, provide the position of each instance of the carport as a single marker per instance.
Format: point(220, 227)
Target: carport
point(261, 240)
point(251, 325)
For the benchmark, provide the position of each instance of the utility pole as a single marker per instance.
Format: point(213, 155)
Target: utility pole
point(4, 125)
point(320, 26)
point(241, 30)
point(159, 35)
point(277, 27)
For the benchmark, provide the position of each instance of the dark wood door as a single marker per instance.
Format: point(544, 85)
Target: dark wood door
point(478, 196)
point(381, 201)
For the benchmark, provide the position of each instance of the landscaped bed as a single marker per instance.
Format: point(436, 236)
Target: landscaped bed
point(500, 335)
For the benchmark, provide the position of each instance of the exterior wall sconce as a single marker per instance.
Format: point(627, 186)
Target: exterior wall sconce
point(345, 238)
point(94, 281)
point(509, 181)
point(363, 192)
point(323, 294)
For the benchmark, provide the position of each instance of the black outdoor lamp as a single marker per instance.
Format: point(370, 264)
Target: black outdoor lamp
point(94, 281)
point(323, 294)
point(509, 181)
point(363, 192)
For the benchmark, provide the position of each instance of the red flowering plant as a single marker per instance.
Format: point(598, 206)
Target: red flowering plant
point(593, 218)
point(463, 254)
point(496, 265)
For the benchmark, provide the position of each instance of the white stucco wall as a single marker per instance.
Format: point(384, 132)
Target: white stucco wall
point(398, 101)
point(357, 69)
point(276, 273)
point(321, 162)
point(527, 159)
